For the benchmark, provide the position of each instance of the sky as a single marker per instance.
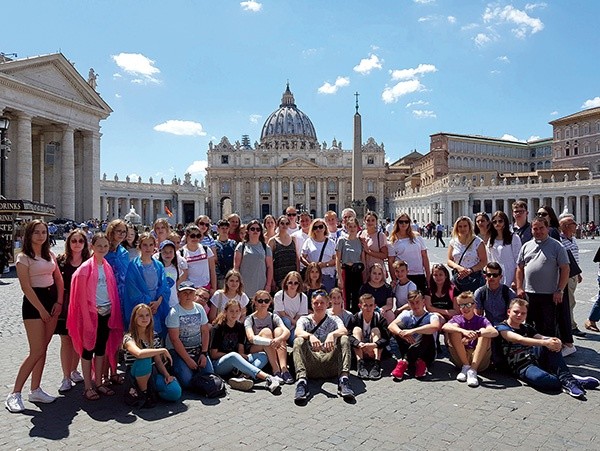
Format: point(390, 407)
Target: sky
point(181, 73)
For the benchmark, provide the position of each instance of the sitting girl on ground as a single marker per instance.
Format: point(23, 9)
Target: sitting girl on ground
point(336, 308)
point(380, 290)
point(228, 354)
point(313, 281)
point(290, 302)
point(139, 343)
point(232, 290)
point(441, 300)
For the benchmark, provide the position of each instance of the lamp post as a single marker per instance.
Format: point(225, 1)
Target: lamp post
point(4, 149)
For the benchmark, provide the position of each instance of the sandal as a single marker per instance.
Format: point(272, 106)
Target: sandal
point(591, 325)
point(105, 390)
point(117, 379)
point(91, 394)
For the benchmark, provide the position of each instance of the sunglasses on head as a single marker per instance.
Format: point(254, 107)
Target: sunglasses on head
point(318, 293)
point(319, 227)
point(254, 229)
point(493, 275)
point(466, 305)
point(263, 300)
point(195, 235)
point(205, 224)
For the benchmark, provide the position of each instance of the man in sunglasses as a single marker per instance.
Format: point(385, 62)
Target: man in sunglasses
point(292, 215)
point(493, 298)
point(469, 340)
point(521, 225)
point(321, 349)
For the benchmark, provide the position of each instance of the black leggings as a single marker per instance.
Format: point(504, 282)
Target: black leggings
point(424, 349)
point(101, 339)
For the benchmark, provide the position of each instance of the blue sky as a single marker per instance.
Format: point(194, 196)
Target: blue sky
point(179, 74)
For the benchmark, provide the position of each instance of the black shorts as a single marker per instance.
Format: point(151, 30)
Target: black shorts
point(47, 296)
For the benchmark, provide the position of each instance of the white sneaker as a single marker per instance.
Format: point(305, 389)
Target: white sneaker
point(14, 403)
point(39, 395)
point(67, 384)
point(472, 380)
point(568, 350)
point(274, 384)
point(462, 376)
point(76, 376)
point(241, 383)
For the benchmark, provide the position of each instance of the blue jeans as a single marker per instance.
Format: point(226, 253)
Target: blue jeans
point(184, 373)
point(549, 373)
point(168, 392)
point(251, 367)
point(595, 313)
point(292, 329)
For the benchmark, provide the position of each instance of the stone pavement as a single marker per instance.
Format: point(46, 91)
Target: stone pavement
point(437, 413)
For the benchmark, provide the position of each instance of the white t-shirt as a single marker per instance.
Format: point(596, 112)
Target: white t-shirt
point(219, 300)
point(292, 306)
point(410, 252)
point(299, 237)
point(311, 250)
point(198, 268)
point(401, 293)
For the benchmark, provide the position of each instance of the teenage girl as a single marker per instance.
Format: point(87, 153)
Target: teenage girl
point(233, 289)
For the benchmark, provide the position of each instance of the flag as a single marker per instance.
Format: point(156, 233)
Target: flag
point(168, 212)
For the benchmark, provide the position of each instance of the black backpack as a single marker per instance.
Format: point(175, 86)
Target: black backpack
point(209, 385)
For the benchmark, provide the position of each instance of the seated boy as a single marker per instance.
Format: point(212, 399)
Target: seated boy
point(469, 338)
point(369, 335)
point(403, 286)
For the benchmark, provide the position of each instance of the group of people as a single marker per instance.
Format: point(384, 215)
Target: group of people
point(178, 304)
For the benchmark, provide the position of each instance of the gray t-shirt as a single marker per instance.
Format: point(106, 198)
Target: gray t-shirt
point(350, 250)
point(189, 323)
point(542, 260)
point(495, 306)
point(331, 323)
point(253, 267)
point(271, 321)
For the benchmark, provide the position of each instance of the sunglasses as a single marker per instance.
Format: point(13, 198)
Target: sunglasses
point(205, 224)
point(518, 212)
point(284, 223)
point(318, 293)
point(292, 214)
point(254, 229)
point(542, 214)
point(493, 275)
point(498, 221)
point(82, 241)
point(263, 301)
point(195, 236)
point(466, 305)
point(319, 227)
point(403, 221)
point(293, 282)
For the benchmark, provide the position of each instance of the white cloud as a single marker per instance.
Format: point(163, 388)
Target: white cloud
point(392, 94)
point(508, 137)
point(417, 103)
point(504, 59)
point(554, 113)
point(424, 114)
point(495, 72)
point(481, 39)
point(307, 53)
point(329, 88)
point(138, 66)
point(366, 65)
point(451, 19)
point(197, 168)
point(118, 96)
point(407, 74)
point(374, 47)
point(533, 138)
point(117, 75)
point(254, 118)
point(251, 5)
point(532, 6)
point(591, 103)
point(133, 176)
point(426, 18)
point(469, 26)
point(181, 128)
point(525, 24)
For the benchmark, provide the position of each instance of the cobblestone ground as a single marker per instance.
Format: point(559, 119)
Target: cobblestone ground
point(437, 413)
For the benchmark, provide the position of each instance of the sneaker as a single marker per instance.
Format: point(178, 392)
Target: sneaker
point(287, 378)
point(578, 333)
point(14, 403)
point(361, 370)
point(76, 376)
point(420, 369)
point(241, 383)
point(472, 380)
point(398, 372)
point(67, 384)
point(302, 392)
point(39, 395)
point(274, 384)
point(571, 388)
point(568, 350)
point(587, 382)
point(462, 376)
point(345, 390)
point(375, 372)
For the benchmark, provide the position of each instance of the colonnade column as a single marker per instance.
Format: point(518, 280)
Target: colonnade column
point(320, 209)
point(279, 197)
point(590, 207)
point(68, 174)
point(151, 216)
point(274, 193)
point(24, 158)
point(307, 195)
point(257, 199)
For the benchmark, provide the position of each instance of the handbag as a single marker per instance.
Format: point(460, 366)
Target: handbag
point(472, 281)
point(574, 269)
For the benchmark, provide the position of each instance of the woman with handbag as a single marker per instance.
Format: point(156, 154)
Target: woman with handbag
point(466, 256)
point(350, 264)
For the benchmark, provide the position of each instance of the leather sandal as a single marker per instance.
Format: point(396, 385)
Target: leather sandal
point(91, 394)
point(591, 325)
point(105, 390)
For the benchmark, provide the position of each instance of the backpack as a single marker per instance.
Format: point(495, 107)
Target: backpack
point(505, 295)
point(209, 385)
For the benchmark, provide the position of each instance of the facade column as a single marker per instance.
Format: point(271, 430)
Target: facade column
point(257, 199)
point(214, 199)
point(38, 157)
point(279, 197)
point(307, 195)
point(90, 174)
point(320, 209)
point(342, 194)
point(292, 199)
point(274, 210)
point(179, 215)
point(24, 158)
point(68, 174)
point(114, 207)
point(162, 207)
point(151, 213)
point(590, 207)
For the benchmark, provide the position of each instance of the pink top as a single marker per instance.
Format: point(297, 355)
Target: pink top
point(40, 270)
point(82, 319)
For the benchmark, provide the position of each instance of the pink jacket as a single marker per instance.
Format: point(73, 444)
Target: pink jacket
point(82, 319)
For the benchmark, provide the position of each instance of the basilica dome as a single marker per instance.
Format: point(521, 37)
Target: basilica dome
point(288, 122)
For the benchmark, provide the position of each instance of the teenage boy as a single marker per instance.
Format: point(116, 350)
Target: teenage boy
point(469, 340)
point(521, 225)
point(492, 299)
point(369, 336)
point(225, 251)
point(537, 359)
